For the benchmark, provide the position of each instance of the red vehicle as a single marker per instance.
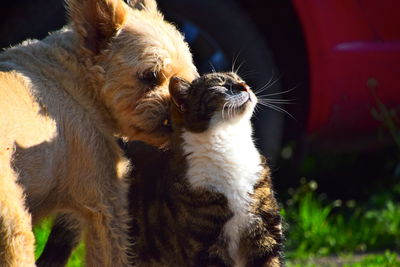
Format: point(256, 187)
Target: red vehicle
point(333, 54)
point(353, 47)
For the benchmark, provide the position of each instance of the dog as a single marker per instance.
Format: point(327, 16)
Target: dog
point(63, 101)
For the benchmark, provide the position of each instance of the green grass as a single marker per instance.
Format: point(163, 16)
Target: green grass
point(389, 259)
point(317, 227)
point(386, 259)
point(42, 232)
point(77, 257)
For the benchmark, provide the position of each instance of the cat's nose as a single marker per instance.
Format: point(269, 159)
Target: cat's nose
point(244, 87)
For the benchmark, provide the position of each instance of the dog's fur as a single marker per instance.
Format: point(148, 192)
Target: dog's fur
point(62, 102)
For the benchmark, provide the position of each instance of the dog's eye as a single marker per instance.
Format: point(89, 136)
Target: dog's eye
point(150, 77)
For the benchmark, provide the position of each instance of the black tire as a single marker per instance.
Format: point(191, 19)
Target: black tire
point(226, 27)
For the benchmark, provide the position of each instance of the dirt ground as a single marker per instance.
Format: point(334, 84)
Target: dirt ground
point(334, 261)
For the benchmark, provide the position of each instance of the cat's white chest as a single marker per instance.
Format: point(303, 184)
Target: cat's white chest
point(225, 160)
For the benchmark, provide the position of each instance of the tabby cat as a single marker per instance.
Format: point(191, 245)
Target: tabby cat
point(208, 200)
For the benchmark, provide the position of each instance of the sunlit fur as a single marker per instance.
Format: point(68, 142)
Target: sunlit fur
point(144, 42)
point(63, 100)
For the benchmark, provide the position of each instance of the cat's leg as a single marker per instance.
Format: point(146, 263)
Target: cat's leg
point(262, 244)
point(16, 236)
point(64, 237)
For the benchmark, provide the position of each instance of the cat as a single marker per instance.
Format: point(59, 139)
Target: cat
point(208, 199)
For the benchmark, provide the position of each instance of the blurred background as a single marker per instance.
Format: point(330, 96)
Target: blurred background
point(330, 73)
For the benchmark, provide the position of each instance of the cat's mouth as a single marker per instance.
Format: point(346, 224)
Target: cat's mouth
point(240, 100)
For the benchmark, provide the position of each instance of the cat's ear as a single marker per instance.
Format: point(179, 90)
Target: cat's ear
point(147, 5)
point(178, 90)
point(97, 21)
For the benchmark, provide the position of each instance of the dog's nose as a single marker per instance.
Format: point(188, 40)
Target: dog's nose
point(175, 79)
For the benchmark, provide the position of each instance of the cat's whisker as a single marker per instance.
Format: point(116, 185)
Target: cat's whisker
point(230, 89)
point(271, 82)
point(232, 110)
point(265, 86)
point(223, 108)
point(228, 110)
point(275, 81)
point(237, 108)
point(238, 68)
point(234, 61)
point(231, 107)
point(277, 101)
point(212, 68)
point(277, 108)
point(258, 108)
point(248, 74)
point(278, 93)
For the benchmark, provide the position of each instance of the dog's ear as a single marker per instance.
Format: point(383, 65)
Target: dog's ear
point(178, 89)
point(97, 21)
point(149, 5)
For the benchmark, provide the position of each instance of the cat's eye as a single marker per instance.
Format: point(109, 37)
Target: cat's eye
point(150, 77)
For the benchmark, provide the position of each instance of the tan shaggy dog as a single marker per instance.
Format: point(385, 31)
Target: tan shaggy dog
point(63, 100)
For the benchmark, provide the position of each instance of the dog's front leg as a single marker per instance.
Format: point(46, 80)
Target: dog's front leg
point(106, 231)
point(16, 236)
